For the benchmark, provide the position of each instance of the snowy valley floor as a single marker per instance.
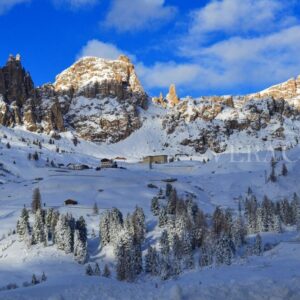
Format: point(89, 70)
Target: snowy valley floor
point(275, 275)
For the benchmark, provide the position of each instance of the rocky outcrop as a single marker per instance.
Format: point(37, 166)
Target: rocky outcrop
point(208, 122)
point(93, 77)
point(170, 100)
point(22, 104)
point(97, 98)
point(172, 97)
point(287, 90)
point(101, 98)
point(16, 84)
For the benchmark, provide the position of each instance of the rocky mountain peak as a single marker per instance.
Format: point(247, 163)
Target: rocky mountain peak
point(288, 90)
point(94, 77)
point(16, 84)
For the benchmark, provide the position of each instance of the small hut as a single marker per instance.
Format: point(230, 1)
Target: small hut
point(71, 202)
point(156, 159)
point(108, 163)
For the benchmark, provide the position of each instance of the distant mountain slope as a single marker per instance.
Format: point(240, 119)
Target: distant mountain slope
point(103, 101)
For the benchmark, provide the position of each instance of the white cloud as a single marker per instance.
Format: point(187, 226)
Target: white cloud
point(240, 17)
point(6, 5)
point(75, 4)
point(254, 61)
point(134, 15)
point(161, 75)
point(101, 49)
point(242, 45)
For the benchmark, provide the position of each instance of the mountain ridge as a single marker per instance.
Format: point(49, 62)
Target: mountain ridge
point(103, 101)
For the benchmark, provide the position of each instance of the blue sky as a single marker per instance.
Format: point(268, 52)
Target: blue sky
point(204, 47)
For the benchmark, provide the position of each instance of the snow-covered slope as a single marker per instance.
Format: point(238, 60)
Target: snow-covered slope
point(213, 183)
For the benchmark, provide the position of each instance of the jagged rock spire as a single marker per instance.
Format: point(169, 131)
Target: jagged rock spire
point(172, 97)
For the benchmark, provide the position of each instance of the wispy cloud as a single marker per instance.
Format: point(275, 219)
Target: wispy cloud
point(102, 49)
point(134, 15)
point(6, 5)
point(242, 44)
point(75, 4)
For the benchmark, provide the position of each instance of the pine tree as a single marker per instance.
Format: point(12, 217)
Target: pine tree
point(224, 251)
point(258, 248)
point(38, 230)
point(172, 200)
point(163, 217)
point(177, 247)
point(89, 271)
point(44, 277)
point(23, 225)
point(80, 248)
point(68, 239)
point(95, 209)
point(206, 257)
point(60, 232)
point(219, 221)
point(266, 215)
point(106, 271)
point(36, 200)
point(276, 224)
point(27, 238)
point(34, 281)
point(151, 261)
point(139, 226)
point(104, 228)
point(148, 260)
point(164, 243)
point(251, 214)
point(155, 206)
point(168, 189)
point(272, 176)
point(238, 232)
point(165, 268)
point(137, 258)
point(284, 170)
point(187, 251)
point(125, 267)
point(97, 271)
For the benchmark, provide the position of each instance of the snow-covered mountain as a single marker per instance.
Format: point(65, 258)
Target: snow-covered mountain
point(103, 101)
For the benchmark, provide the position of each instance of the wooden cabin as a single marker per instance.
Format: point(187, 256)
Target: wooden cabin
point(108, 163)
point(70, 202)
point(156, 159)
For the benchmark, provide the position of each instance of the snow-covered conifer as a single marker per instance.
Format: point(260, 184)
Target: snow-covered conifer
point(97, 271)
point(80, 248)
point(23, 225)
point(284, 170)
point(206, 256)
point(163, 217)
point(44, 277)
point(95, 209)
point(36, 200)
point(106, 271)
point(88, 270)
point(38, 230)
point(172, 200)
point(34, 280)
point(168, 189)
point(258, 248)
point(164, 243)
point(155, 206)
